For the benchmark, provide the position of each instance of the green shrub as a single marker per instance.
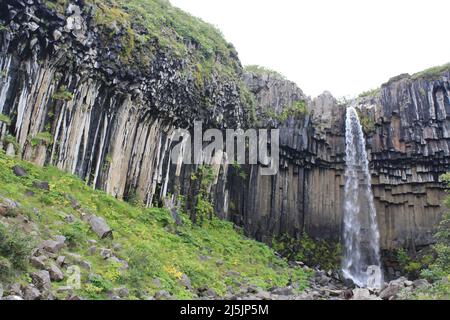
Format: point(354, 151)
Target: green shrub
point(298, 109)
point(5, 119)
point(63, 94)
point(75, 234)
point(15, 250)
point(413, 264)
point(45, 138)
point(367, 123)
point(312, 252)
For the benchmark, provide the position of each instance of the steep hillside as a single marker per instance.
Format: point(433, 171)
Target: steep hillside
point(52, 218)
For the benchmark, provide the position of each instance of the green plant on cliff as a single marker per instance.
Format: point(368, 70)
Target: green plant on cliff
point(45, 138)
point(149, 240)
point(298, 109)
point(63, 94)
point(5, 119)
point(367, 123)
point(58, 5)
point(204, 208)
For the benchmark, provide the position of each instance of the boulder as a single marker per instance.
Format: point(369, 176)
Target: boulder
point(31, 293)
point(19, 171)
point(1, 290)
point(100, 227)
point(10, 150)
point(185, 282)
point(122, 292)
point(264, 295)
point(60, 261)
point(43, 185)
point(41, 280)
point(283, 291)
point(390, 291)
point(400, 282)
point(163, 295)
point(124, 264)
point(421, 284)
point(38, 262)
point(55, 273)
point(106, 253)
point(15, 290)
point(157, 283)
point(253, 289)
point(324, 280)
point(363, 294)
point(9, 203)
point(54, 246)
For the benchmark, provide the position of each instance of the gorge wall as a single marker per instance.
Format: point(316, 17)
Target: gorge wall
point(71, 100)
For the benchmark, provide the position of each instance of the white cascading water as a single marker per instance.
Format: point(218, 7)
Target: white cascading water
point(361, 260)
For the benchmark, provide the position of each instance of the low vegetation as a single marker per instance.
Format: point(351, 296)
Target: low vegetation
point(438, 270)
point(432, 73)
point(367, 123)
point(45, 138)
point(5, 119)
point(370, 93)
point(314, 253)
point(63, 94)
point(298, 109)
point(15, 250)
point(158, 251)
point(260, 70)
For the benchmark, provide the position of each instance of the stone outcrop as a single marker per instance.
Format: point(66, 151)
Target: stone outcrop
point(71, 102)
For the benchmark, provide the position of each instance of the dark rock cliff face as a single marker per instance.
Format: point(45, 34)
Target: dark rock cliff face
point(72, 103)
point(409, 150)
point(114, 128)
point(407, 131)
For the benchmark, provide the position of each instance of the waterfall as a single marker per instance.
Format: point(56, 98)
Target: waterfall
point(361, 260)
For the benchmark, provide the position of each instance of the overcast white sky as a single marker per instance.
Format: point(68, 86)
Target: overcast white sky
point(343, 46)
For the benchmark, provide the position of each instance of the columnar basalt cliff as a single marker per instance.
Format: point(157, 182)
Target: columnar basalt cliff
point(408, 137)
point(73, 102)
point(406, 125)
point(71, 98)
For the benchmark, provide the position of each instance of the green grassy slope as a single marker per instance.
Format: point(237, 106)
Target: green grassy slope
point(214, 255)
